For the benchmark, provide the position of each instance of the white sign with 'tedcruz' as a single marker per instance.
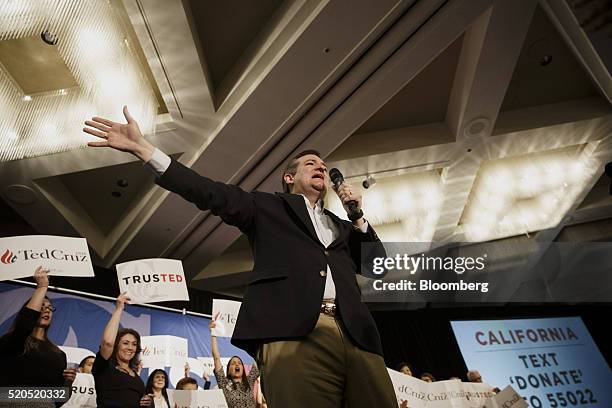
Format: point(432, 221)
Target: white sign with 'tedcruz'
point(163, 351)
point(225, 313)
point(507, 398)
point(152, 280)
point(63, 256)
point(414, 393)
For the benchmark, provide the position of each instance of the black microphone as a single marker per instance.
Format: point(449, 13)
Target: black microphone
point(337, 178)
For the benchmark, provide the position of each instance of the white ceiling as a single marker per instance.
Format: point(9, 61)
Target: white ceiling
point(376, 87)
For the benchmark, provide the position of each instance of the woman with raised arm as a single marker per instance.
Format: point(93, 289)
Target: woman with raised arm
point(30, 359)
point(117, 382)
point(236, 385)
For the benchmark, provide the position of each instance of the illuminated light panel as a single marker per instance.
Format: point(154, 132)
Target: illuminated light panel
point(91, 43)
point(519, 195)
point(402, 208)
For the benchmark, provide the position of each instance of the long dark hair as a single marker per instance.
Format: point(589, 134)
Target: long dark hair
point(31, 343)
point(122, 332)
point(244, 381)
point(149, 386)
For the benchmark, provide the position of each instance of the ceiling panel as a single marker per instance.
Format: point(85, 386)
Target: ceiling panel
point(226, 29)
point(423, 100)
point(547, 72)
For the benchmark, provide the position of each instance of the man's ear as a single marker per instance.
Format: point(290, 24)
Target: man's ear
point(289, 178)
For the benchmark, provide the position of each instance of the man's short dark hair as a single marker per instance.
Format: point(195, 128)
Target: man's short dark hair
point(291, 167)
point(184, 381)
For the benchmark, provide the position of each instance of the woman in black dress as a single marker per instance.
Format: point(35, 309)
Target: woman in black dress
point(117, 382)
point(33, 359)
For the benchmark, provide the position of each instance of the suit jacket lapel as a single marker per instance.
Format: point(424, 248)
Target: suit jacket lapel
point(340, 225)
point(297, 204)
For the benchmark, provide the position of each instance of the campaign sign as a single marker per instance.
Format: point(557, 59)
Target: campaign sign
point(415, 393)
point(163, 351)
point(152, 280)
point(226, 313)
point(208, 363)
point(551, 362)
point(189, 399)
point(63, 256)
point(507, 398)
point(74, 355)
point(83, 392)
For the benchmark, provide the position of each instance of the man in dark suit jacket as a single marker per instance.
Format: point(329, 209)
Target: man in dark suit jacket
point(314, 340)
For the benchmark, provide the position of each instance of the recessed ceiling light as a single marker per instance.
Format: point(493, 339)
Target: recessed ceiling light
point(403, 208)
point(545, 60)
point(517, 195)
point(48, 37)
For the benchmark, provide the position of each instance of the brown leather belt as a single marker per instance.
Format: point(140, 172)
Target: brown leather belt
point(328, 308)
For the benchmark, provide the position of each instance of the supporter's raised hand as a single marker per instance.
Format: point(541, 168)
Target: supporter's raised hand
point(41, 277)
point(122, 300)
point(42, 283)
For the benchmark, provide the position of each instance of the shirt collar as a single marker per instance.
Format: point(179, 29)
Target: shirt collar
point(318, 207)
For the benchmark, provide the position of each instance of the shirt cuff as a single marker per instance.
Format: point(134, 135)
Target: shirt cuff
point(159, 162)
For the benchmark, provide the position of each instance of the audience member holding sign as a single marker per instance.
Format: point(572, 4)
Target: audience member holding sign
point(236, 385)
point(117, 382)
point(34, 361)
point(83, 387)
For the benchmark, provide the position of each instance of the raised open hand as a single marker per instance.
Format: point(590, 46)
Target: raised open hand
point(125, 137)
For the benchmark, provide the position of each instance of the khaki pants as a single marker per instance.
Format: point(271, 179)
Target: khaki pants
point(324, 370)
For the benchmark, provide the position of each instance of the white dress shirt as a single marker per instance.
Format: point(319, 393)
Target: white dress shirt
point(327, 232)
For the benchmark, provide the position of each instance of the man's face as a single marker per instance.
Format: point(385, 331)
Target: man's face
point(310, 176)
